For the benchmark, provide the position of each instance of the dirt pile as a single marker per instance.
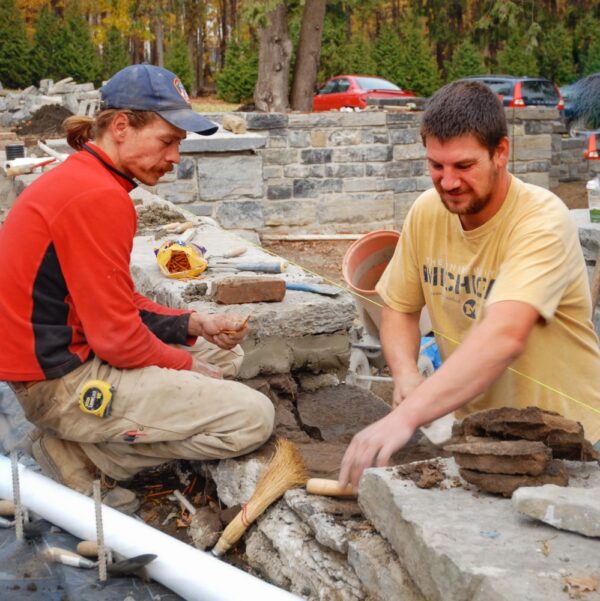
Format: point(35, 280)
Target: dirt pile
point(45, 122)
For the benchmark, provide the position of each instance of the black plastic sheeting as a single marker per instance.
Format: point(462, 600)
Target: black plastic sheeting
point(24, 575)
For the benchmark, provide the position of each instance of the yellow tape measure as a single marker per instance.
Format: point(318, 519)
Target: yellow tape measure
point(95, 398)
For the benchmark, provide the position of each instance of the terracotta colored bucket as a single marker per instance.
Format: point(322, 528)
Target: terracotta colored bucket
point(363, 264)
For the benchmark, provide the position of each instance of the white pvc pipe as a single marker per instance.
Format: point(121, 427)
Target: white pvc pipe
point(192, 574)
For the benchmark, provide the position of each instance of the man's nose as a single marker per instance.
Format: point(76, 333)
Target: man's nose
point(449, 180)
point(173, 155)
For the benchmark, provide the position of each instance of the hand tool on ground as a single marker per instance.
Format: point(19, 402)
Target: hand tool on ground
point(315, 288)
point(285, 470)
point(234, 252)
point(25, 166)
point(329, 488)
point(118, 568)
point(271, 267)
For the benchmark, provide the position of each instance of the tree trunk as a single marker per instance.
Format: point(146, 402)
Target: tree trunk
point(272, 87)
point(307, 57)
point(159, 41)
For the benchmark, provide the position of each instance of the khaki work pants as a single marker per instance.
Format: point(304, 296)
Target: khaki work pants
point(157, 414)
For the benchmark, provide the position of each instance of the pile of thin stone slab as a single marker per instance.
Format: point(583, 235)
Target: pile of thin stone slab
point(503, 449)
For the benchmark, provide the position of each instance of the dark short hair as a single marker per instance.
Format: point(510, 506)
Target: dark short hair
point(462, 108)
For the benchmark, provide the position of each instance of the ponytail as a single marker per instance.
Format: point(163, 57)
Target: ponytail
point(80, 129)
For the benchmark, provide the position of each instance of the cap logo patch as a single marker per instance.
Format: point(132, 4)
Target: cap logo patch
point(181, 90)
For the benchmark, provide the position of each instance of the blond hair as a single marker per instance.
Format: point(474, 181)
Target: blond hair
point(80, 129)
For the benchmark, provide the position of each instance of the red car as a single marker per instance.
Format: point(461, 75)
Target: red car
point(354, 90)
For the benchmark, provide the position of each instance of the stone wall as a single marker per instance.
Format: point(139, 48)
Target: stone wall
point(342, 172)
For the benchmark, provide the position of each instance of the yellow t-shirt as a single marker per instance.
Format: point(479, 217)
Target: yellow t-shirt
point(530, 252)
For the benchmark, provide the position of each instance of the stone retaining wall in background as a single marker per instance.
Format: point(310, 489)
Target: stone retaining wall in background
point(342, 172)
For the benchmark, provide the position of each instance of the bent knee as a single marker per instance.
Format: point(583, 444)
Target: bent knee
point(259, 418)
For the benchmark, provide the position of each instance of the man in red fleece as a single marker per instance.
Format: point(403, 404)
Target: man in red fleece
point(70, 313)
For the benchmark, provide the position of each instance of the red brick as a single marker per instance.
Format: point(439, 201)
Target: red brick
point(238, 290)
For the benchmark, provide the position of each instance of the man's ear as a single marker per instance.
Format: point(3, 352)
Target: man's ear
point(119, 126)
point(502, 152)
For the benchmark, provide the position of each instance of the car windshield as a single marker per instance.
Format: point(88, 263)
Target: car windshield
point(373, 83)
point(504, 88)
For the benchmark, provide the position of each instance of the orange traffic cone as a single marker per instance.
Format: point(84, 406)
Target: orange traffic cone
point(591, 154)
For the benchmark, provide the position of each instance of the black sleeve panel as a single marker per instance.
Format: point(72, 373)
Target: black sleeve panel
point(172, 329)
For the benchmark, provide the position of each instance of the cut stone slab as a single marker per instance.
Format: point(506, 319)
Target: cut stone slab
point(460, 546)
point(303, 332)
point(506, 484)
point(502, 456)
point(564, 436)
point(574, 509)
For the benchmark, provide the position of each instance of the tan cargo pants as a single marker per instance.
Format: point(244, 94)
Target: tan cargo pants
point(157, 414)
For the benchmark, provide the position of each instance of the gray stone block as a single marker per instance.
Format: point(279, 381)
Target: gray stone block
point(202, 210)
point(221, 178)
point(309, 188)
point(374, 136)
point(377, 169)
point(298, 138)
point(266, 120)
point(290, 213)
point(339, 137)
point(354, 154)
point(365, 184)
point(402, 185)
point(405, 136)
point(222, 141)
point(185, 169)
point(296, 171)
point(566, 508)
point(244, 214)
point(280, 191)
point(539, 127)
point(316, 155)
point(356, 208)
point(477, 547)
point(272, 172)
point(345, 170)
point(409, 151)
point(274, 156)
point(398, 169)
point(277, 141)
point(403, 119)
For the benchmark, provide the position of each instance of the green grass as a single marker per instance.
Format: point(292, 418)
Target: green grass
point(211, 104)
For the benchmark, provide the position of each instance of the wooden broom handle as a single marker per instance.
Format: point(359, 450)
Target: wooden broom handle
point(329, 488)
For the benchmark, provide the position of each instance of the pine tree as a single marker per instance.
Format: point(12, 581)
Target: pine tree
point(236, 81)
point(556, 55)
point(44, 45)
point(467, 60)
point(386, 50)
point(75, 54)
point(515, 58)
point(591, 62)
point(334, 39)
point(14, 47)
point(114, 53)
point(358, 58)
point(177, 59)
point(417, 66)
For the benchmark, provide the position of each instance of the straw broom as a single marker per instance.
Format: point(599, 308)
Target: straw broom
point(285, 470)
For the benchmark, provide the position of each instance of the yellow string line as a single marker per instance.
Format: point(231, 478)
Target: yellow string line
point(362, 296)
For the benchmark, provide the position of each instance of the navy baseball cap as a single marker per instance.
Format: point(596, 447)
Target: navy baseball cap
point(151, 88)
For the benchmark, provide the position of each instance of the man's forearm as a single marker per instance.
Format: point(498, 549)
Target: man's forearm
point(400, 338)
point(488, 350)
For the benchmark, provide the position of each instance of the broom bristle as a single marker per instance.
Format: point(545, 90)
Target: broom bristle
point(285, 470)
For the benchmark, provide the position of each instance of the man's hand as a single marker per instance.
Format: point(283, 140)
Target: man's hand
point(404, 385)
point(223, 329)
point(374, 446)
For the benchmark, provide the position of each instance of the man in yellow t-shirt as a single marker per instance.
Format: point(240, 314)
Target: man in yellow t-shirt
point(499, 266)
